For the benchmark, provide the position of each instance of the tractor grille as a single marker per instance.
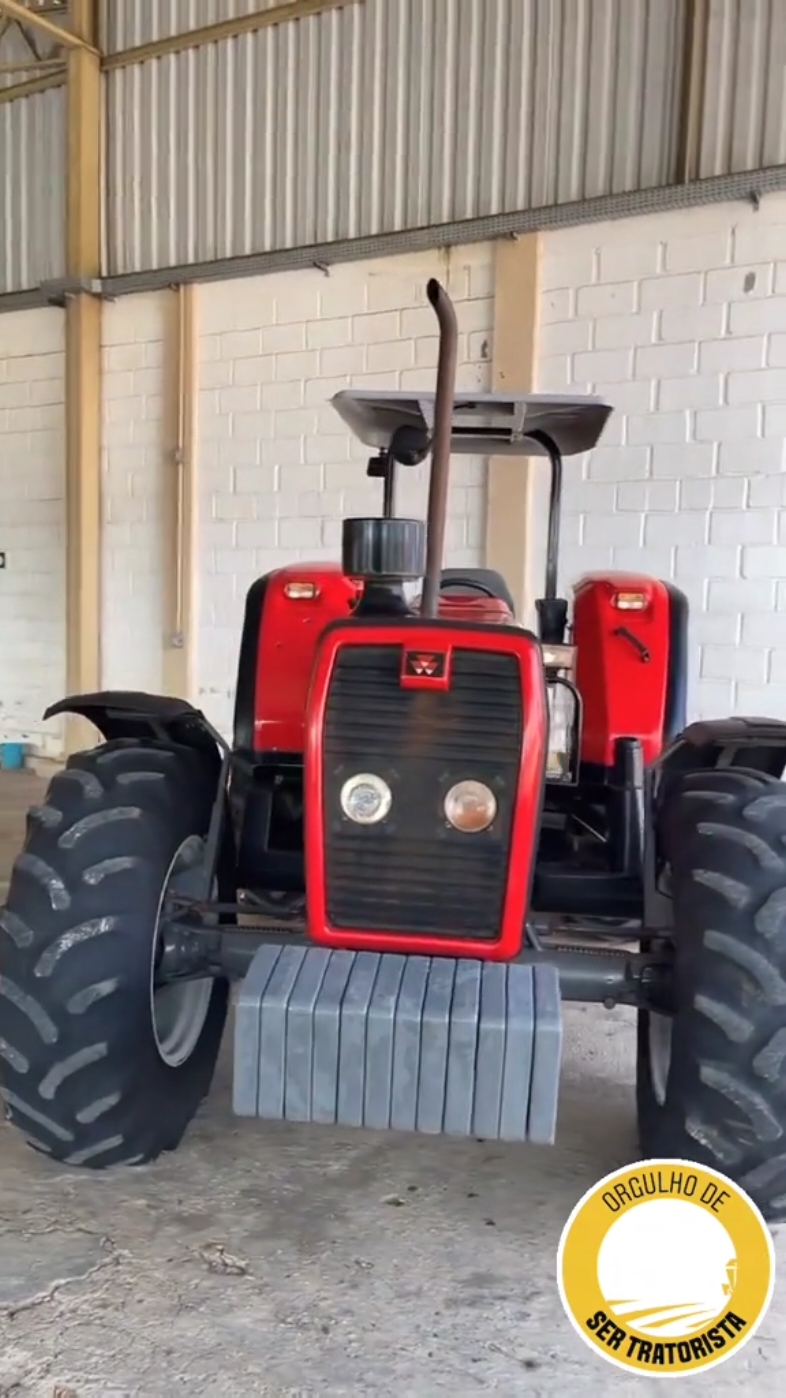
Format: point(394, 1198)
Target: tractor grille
point(413, 874)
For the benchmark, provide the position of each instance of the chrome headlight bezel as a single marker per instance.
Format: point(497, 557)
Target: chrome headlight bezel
point(470, 787)
point(375, 784)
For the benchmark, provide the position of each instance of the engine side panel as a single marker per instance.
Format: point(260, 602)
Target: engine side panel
point(280, 634)
point(631, 668)
point(412, 883)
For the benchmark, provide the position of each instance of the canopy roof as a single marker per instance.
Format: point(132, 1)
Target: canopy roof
point(484, 424)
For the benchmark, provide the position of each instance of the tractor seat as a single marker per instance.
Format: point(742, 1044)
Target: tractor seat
point(478, 595)
point(483, 611)
point(481, 583)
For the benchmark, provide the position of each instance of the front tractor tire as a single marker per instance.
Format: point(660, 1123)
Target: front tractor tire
point(711, 1081)
point(97, 1067)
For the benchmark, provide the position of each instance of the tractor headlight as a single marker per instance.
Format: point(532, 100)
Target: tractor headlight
point(562, 722)
point(366, 798)
point(470, 806)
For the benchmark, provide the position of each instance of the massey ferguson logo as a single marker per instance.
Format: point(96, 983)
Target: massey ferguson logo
point(427, 664)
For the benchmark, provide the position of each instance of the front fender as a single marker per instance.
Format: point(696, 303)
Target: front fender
point(118, 713)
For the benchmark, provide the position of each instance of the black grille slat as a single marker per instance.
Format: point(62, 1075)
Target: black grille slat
point(365, 706)
point(413, 874)
point(457, 901)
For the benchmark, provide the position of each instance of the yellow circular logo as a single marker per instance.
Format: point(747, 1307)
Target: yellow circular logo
point(665, 1268)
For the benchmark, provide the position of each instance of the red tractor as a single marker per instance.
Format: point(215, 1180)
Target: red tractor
point(433, 827)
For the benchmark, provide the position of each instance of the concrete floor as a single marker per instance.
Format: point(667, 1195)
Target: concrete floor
point(289, 1260)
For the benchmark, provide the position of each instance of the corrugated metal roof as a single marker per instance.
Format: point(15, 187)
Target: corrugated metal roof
point(32, 173)
point(744, 124)
point(123, 24)
point(32, 190)
point(385, 115)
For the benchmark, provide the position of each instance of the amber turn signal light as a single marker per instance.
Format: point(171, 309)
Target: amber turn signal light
point(630, 601)
point(301, 591)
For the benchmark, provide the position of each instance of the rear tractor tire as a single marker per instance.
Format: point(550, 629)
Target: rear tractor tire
point(97, 1066)
point(711, 1081)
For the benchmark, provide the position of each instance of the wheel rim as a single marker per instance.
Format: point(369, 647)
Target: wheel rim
point(179, 1010)
point(660, 1033)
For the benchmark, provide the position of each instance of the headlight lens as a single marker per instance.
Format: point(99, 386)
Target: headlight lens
point(470, 806)
point(562, 720)
point(366, 798)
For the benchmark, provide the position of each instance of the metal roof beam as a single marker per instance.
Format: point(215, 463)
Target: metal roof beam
point(34, 65)
point(35, 85)
point(224, 29)
point(32, 19)
point(694, 77)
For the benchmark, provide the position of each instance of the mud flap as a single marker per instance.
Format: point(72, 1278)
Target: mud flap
point(414, 1043)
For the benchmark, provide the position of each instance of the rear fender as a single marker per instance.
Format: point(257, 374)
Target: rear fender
point(118, 713)
point(759, 743)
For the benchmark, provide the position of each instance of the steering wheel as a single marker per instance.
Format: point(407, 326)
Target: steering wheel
point(470, 583)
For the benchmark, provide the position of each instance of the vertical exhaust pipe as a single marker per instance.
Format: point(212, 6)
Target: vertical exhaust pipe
point(440, 445)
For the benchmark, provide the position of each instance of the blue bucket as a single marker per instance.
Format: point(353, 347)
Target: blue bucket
point(12, 756)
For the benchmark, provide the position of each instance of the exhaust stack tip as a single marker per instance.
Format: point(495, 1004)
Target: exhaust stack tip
point(440, 443)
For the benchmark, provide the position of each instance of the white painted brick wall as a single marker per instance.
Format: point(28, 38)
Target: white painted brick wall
point(278, 468)
point(133, 473)
point(32, 526)
point(679, 319)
